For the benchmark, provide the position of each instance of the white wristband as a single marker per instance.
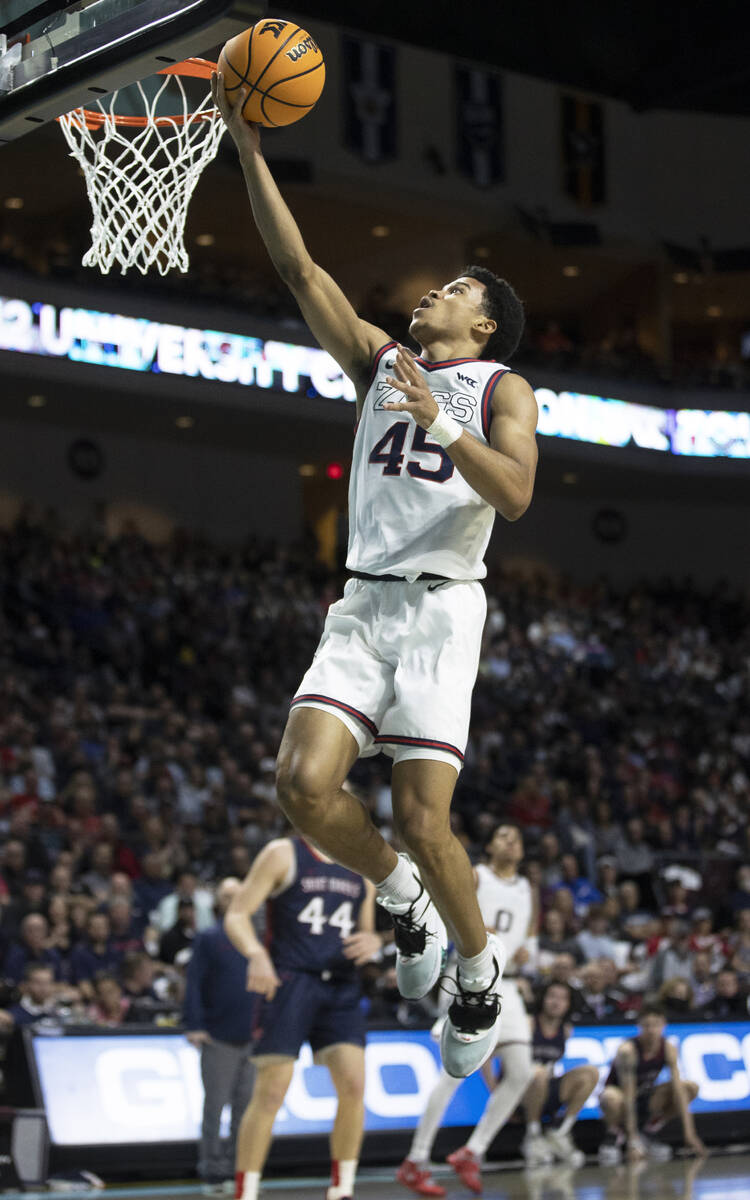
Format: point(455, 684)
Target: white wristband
point(444, 430)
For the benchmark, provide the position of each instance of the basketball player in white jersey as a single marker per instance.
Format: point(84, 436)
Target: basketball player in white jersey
point(444, 440)
point(509, 909)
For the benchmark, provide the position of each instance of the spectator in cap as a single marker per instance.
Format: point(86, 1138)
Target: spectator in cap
point(218, 1013)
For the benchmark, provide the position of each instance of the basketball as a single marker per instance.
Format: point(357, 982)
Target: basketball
point(281, 66)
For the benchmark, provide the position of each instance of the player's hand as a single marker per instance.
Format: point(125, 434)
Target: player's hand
point(694, 1143)
point(418, 400)
point(636, 1149)
point(261, 975)
point(198, 1038)
point(246, 136)
point(361, 948)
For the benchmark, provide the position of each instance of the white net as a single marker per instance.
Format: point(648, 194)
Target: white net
point(140, 175)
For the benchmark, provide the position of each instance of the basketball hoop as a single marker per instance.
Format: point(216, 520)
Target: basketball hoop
point(141, 171)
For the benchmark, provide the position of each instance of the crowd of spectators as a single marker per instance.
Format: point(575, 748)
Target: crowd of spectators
point(143, 693)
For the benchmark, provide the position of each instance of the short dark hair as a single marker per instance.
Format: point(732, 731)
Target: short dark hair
point(652, 1010)
point(34, 969)
point(503, 305)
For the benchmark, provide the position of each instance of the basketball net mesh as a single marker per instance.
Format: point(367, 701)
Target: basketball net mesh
point(140, 175)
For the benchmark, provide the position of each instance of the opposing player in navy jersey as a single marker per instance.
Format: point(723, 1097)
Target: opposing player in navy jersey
point(321, 922)
point(559, 1098)
point(445, 440)
point(635, 1105)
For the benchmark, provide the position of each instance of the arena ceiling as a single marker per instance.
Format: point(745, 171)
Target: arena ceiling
point(650, 54)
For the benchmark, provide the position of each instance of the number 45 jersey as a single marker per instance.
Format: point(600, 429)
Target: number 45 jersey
point(410, 510)
point(316, 909)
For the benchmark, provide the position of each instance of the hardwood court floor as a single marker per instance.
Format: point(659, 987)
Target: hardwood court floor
point(722, 1177)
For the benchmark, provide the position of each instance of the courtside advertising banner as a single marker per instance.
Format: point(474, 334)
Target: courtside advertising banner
point(110, 1089)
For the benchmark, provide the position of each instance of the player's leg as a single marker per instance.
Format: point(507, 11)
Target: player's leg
point(662, 1108)
point(273, 1074)
point(575, 1087)
point(316, 754)
point(241, 1095)
point(414, 1171)
point(217, 1086)
point(533, 1147)
point(346, 1064)
point(612, 1104)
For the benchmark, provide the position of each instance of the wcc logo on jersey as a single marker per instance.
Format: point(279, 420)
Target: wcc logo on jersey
point(370, 99)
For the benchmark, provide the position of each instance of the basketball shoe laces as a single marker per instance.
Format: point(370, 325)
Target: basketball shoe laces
point(474, 1012)
point(409, 934)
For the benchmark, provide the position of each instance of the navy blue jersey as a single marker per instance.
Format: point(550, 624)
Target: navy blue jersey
point(647, 1070)
point(547, 1050)
point(309, 919)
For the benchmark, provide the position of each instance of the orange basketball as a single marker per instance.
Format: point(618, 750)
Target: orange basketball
point(280, 65)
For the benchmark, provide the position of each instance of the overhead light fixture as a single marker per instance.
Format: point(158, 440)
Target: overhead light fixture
point(205, 239)
point(680, 277)
point(714, 310)
point(185, 422)
point(36, 401)
point(571, 271)
point(570, 477)
point(380, 230)
point(14, 202)
point(482, 251)
point(307, 470)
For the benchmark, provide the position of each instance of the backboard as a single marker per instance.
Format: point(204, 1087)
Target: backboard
point(56, 55)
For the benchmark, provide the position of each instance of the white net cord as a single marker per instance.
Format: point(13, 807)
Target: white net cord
point(140, 178)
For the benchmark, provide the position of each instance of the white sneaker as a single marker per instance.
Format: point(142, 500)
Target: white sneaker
point(535, 1150)
point(471, 1031)
point(562, 1148)
point(610, 1151)
point(421, 941)
point(657, 1151)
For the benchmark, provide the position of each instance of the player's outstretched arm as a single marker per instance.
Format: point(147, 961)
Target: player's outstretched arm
point(269, 872)
point(328, 313)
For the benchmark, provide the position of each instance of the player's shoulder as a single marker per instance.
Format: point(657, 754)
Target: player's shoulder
point(377, 343)
point(512, 390)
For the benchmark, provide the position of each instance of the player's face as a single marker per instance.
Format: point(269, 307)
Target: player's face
point(449, 311)
point(556, 1003)
point(651, 1028)
point(506, 846)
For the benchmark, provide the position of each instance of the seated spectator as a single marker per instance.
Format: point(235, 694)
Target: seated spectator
point(678, 900)
point(739, 947)
point(13, 865)
point(607, 875)
point(729, 1004)
point(33, 899)
point(635, 858)
point(187, 888)
point(151, 887)
point(110, 1007)
point(592, 1000)
point(92, 955)
point(704, 986)
point(675, 996)
point(635, 924)
point(60, 935)
point(673, 959)
point(549, 857)
point(596, 940)
point(740, 898)
point(583, 891)
point(124, 930)
point(98, 878)
point(38, 999)
point(178, 940)
point(31, 949)
point(703, 939)
point(554, 941)
point(137, 973)
point(563, 903)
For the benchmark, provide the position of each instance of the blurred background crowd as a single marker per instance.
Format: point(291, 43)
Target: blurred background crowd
point(143, 693)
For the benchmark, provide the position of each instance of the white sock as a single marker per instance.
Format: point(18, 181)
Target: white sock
point(342, 1177)
point(475, 974)
point(517, 1071)
point(567, 1124)
point(399, 889)
point(429, 1122)
point(534, 1128)
point(246, 1185)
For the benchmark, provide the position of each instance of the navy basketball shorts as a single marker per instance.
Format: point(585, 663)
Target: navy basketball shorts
point(553, 1103)
point(307, 1008)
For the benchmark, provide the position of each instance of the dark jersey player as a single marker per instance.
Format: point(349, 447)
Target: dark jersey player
point(558, 1098)
point(445, 440)
point(321, 921)
point(635, 1105)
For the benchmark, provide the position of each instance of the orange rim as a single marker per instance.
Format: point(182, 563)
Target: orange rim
point(196, 68)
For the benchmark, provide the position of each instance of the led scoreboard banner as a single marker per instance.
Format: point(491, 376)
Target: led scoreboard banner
point(84, 335)
point(146, 1087)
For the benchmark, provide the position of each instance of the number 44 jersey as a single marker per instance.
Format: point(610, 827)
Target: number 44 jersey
point(315, 910)
point(410, 510)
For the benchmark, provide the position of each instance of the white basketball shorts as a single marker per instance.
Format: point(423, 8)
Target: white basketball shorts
point(514, 1019)
point(397, 663)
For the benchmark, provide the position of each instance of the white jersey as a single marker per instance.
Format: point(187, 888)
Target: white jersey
point(506, 906)
point(410, 510)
